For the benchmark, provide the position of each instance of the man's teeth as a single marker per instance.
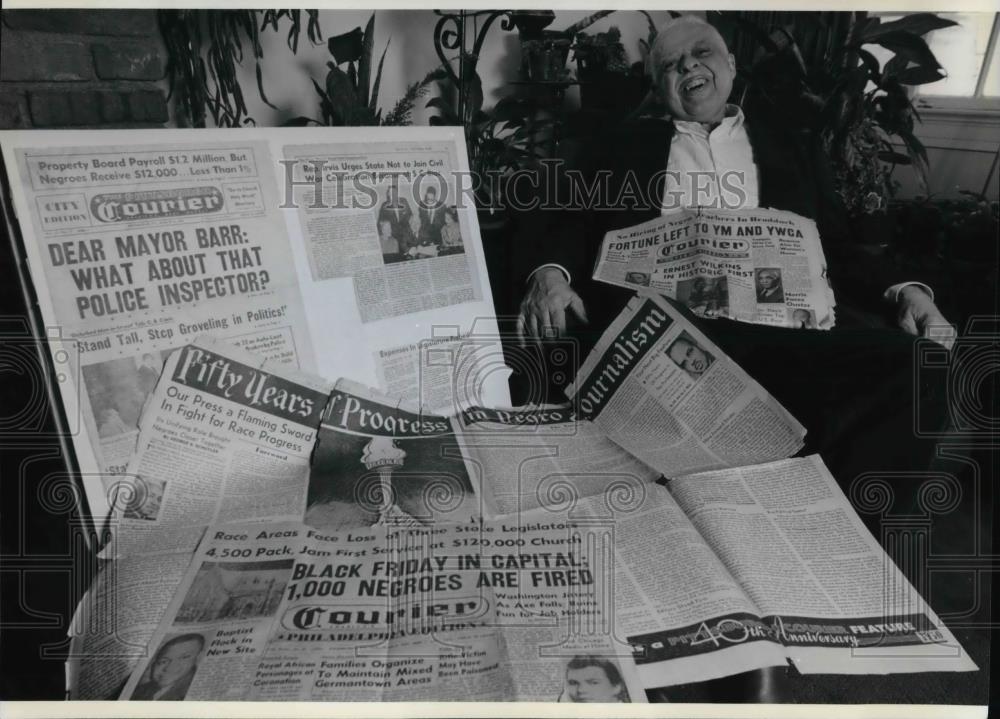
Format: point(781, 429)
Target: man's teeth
point(695, 84)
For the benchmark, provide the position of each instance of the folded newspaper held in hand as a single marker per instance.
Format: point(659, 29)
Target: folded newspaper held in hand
point(758, 265)
point(658, 387)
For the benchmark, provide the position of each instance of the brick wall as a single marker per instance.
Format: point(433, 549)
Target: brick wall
point(81, 68)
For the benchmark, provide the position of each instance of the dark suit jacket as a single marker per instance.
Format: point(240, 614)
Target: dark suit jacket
point(793, 175)
point(398, 216)
point(776, 295)
point(177, 691)
point(430, 228)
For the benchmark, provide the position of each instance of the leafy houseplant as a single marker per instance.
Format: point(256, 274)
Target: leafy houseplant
point(860, 106)
point(866, 105)
point(599, 53)
point(499, 141)
point(204, 49)
point(543, 58)
point(544, 52)
point(608, 82)
point(349, 96)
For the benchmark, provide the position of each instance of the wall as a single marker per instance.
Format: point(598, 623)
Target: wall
point(74, 68)
point(962, 149)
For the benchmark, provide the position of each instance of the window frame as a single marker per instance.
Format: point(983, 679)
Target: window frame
point(974, 104)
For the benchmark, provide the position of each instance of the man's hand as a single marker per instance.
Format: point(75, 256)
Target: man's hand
point(544, 305)
point(918, 315)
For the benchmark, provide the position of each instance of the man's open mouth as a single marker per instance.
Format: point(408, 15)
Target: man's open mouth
point(694, 85)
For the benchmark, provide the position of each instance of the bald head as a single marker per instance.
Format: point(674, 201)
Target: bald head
point(692, 69)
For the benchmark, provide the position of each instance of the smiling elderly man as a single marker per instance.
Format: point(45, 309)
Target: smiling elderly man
point(854, 389)
point(713, 156)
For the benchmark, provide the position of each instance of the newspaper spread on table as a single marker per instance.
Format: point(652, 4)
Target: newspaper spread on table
point(658, 387)
point(755, 265)
point(535, 456)
point(719, 573)
point(497, 611)
point(817, 580)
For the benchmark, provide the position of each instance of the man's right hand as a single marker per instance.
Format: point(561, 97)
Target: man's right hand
point(545, 303)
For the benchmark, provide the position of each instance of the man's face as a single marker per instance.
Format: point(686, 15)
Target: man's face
point(590, 684)
point(176, 661)
point(430, 197)
point(689, 357)
point(768, 280)
point(696, 72)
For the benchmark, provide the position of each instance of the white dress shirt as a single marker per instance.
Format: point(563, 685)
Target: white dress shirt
point(711, 168)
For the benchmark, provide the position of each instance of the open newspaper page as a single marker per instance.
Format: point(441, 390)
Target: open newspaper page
point(226, 437)
point(527, 457)
point(137, 242)
point(661, 389)
point(675, 602)
point(379, 462)
point(824, 587)
point(384, 229)
point(755, 265)
point(474, 612)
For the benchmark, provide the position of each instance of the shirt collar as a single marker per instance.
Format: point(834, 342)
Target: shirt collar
point(732, 121)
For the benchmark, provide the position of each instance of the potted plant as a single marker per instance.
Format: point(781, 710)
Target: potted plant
point(860, 106)
point(544, 52)
point(349, 96)
point(543, 58)
point(602, 69)
point(204, 49)
point(499, 141)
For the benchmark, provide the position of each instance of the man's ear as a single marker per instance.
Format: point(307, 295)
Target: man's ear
point(732, 62)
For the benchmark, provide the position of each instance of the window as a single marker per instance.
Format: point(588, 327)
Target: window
point(968, 53)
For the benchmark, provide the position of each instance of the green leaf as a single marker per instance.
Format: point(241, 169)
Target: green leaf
point(365, 61)
point(300, 121)
point(871, 64)
point(895, 158)
point(917, 153)
point(920, 75)
point(346, 47)
point(373, 101)
point(912, 47)
point(917, 24)
point(260, 88)
point(439, 103)
point(340, 94)
point(896, 65)
point(448, 112)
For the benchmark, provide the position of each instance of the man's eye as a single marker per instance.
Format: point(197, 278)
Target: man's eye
point(702, 52)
